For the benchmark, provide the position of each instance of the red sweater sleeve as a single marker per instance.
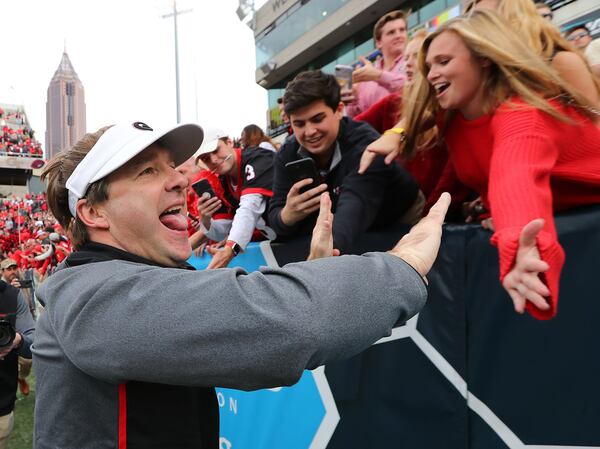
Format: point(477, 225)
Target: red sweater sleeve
point(524, 154)
point(384, 114)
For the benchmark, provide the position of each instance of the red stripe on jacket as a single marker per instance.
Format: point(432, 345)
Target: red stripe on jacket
point(122, 416)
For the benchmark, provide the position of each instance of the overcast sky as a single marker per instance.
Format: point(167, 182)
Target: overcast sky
point(123, 52)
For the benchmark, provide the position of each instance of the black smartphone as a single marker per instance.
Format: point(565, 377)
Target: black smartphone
point(304, 169)
point(203, 186)
point(25, 283)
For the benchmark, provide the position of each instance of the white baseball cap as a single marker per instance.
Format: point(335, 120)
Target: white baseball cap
point(120, 143)
point(211, 142)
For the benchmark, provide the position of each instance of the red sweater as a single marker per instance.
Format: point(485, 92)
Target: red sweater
point(426, 166)
point(526, 164)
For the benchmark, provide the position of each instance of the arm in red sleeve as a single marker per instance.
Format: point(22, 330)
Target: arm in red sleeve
point(519, 190)
point(383, 115)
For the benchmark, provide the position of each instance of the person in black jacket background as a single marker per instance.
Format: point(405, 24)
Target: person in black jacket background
point(13, 310)
point(386, 194)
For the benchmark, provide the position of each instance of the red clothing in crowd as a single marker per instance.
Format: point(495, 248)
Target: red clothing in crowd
point(426, 166)
point(526, 164)
point(192, 198)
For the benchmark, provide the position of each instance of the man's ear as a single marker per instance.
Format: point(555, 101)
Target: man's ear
point(339, 112)
point(91, 216)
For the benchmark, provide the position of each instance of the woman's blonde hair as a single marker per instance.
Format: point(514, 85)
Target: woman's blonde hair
point(514, 70)
point(429, 136)
point(542, 36)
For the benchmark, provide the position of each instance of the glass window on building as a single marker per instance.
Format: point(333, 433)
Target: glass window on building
point(273, 95)
point(365, 48)
point(431, 10)
point(346, 53)
point(413, 21)
point(288, 30)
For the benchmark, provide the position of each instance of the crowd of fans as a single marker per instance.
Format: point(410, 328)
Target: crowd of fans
point(456, 110)
point(30, 235)
point(16, 138)
point(425, 140)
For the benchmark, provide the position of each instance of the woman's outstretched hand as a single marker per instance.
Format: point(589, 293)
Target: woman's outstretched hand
point(523, 282)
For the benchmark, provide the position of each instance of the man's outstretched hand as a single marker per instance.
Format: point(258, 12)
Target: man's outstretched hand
point(419, 248)
point(321, 244)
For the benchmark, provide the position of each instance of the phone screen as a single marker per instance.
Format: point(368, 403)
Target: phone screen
point(343, 75)
point(203, 186)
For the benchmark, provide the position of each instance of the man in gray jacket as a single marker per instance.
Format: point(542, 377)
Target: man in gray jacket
point(133, 340)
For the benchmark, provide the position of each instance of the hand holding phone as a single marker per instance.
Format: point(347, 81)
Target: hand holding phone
point(304, 169)
point(343, 75)
point(25, 283)
point(303, 197)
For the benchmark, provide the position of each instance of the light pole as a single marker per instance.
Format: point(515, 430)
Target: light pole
point(174, 15)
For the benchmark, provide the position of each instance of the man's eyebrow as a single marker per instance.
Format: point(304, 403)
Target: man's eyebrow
point(317, 116)
point(141, 159)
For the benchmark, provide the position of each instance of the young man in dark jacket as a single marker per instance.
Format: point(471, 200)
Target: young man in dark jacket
point(133, 340)
point(385, 195)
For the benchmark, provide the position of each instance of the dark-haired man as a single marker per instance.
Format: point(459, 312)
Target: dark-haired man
point(579, 36)
point(386, 194)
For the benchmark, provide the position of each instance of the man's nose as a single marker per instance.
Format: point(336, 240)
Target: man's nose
point(310, 130)
point(177, 181)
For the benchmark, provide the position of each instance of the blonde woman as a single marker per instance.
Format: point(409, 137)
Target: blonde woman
point(426, 166)
point(516, 133)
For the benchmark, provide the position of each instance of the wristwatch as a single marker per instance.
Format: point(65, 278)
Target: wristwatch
point(235, 248)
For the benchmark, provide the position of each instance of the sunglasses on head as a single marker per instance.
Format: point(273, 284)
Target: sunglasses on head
point(574, 37)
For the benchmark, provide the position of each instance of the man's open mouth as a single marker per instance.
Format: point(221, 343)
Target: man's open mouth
point(173, 219)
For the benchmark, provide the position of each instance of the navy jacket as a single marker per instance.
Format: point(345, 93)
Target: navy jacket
point(360, 202)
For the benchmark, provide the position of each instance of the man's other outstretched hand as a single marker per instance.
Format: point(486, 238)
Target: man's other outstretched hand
point(419, 248)
point(321, 244)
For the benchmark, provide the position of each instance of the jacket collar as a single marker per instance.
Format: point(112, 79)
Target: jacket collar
point(92, 252)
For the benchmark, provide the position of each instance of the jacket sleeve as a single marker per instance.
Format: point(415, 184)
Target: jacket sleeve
point(523, 157)
point(225, 327)
point(25, 326)
point(362, 196)
point(360, 199)
point(252, 206)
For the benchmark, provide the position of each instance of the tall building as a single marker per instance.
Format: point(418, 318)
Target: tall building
point(65, 109)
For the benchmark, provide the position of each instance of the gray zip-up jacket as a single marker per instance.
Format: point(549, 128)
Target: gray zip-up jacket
point(121, 338)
